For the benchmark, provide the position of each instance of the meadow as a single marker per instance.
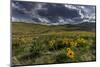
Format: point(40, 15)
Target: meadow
point(47, 44)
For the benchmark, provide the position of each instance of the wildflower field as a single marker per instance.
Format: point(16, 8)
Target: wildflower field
point(42, 44)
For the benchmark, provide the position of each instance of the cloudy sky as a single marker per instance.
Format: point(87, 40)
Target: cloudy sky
point(51, 13)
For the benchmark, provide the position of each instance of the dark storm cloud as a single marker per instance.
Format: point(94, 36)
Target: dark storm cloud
point(58, 10)
point(52, 13)
point(24, 5)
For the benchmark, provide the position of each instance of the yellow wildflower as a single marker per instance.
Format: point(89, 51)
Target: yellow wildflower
point(70, 53)
point(66, 41)
point(52, 42)
point(81, 41)
point(68, 49)
point(73, 43)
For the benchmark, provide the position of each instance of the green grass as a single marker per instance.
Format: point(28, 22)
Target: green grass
point(42, 44)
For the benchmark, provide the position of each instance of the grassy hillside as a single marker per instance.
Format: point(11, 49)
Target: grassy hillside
point(39, 44)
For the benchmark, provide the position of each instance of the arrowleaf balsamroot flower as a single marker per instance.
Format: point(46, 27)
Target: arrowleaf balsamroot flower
point(70, 53)
point(52, 42)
